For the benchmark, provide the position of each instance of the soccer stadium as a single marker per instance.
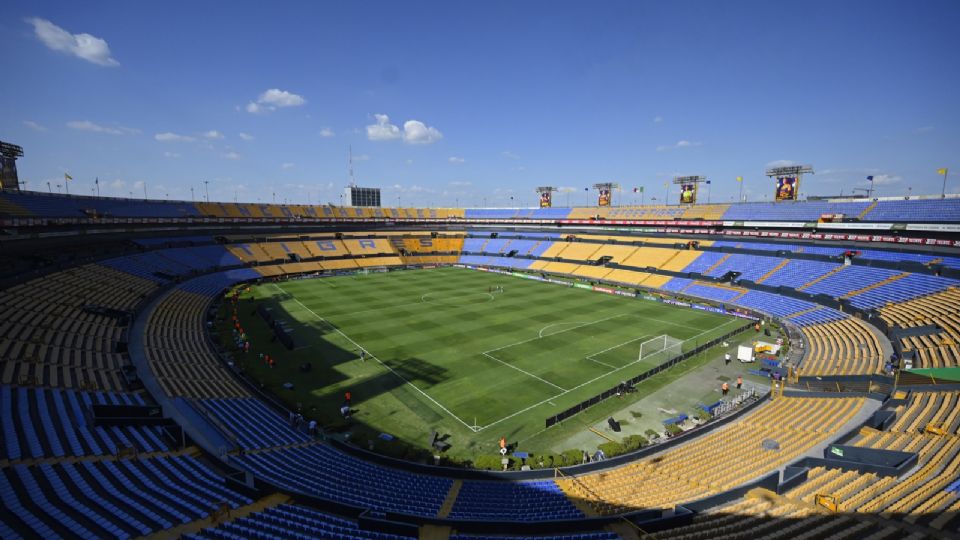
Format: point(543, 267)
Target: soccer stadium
point(780, 363)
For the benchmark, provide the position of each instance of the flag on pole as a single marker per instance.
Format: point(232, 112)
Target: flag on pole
point(870, 178)
point(638, 189)
point(942, 171)
point(707, 182)
point(67, 176)
point(739, 179)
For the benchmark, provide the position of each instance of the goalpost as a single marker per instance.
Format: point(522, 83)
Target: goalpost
point(671, 346)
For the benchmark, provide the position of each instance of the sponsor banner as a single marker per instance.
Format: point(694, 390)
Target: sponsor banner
point(583, 286)
point(603, 289)
point(624, 293)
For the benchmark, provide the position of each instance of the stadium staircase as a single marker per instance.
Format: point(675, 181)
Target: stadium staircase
point(448, 503)
point(821, 278)
point(666, 263)
point(532, 249)
point(225, 515)
point(804, 312)
point(877, 284)
point(717, 264)
point(773, 270)
point(867, 210)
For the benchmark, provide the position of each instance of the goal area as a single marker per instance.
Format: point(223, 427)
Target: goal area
point(670, 347)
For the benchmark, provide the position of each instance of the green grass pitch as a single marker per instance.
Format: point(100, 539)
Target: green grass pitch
point(445, 354)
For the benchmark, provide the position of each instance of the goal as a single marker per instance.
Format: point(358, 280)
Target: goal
point(671, 347)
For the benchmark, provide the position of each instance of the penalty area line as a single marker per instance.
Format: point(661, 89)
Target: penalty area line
point(390, 369)
point(581, 385)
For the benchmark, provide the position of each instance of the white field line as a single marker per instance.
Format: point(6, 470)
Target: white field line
point(594, 380)
point(399, 376)
point(525, 372)
point(555, 333)
point(591, 357)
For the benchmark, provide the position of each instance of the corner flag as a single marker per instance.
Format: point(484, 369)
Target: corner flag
point(942, 171)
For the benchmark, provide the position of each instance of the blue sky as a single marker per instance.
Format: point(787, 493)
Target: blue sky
point(473, 103)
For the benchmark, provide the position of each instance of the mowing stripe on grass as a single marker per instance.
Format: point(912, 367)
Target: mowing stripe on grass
point(593, 380)
point(525, 372)
point(401, 377)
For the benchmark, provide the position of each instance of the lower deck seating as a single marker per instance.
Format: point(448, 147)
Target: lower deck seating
point(178, 353)
point(324, 472)
point(254, 424)
point(719, 461)
point(942, 310)
point(286, 520)
point(513, 501)
point(111, 499)
point(842, 347)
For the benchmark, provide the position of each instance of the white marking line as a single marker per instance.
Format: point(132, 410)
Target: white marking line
point(558, 324)
point(525, 372)
point(555, 333)
point(357, 345)
point(551, 398)
point(592, 359)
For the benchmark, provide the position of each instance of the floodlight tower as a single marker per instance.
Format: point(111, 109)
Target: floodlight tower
point(605, 195)
point(8, 165)
point(694, 182)
point(788, 180)
point(545, 196)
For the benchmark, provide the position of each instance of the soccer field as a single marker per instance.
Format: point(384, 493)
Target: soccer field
point(444, 353)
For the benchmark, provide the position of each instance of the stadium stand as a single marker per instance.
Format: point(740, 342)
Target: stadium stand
point(942, 310)
point(717, 461)
point(63, 475)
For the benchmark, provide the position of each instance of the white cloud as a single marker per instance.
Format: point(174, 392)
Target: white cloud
point(86, 125)
point(455, 159)
point(118, 184)
point(924, 129)
point(416, 132)
point(231, 155)
point(409, 162)
point(383, 130)
point(361, 157)
point(287, 165)
point(173, 137)
point(461, 183)
point(33, 125)
point(509, 155)
point(213, 134)
point(138, 184)
point(327, 132)
point(657, 119)
point(272, 99)
point(566, 189)
point(679, 144)
point(90, 48)
point(246, 136)
point(171, 155)
point(281, 98)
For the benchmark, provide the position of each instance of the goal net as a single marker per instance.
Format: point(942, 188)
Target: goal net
point(664, 345)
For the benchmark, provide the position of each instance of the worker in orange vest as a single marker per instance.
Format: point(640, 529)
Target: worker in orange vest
point(739, 382)
point(725, 388)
